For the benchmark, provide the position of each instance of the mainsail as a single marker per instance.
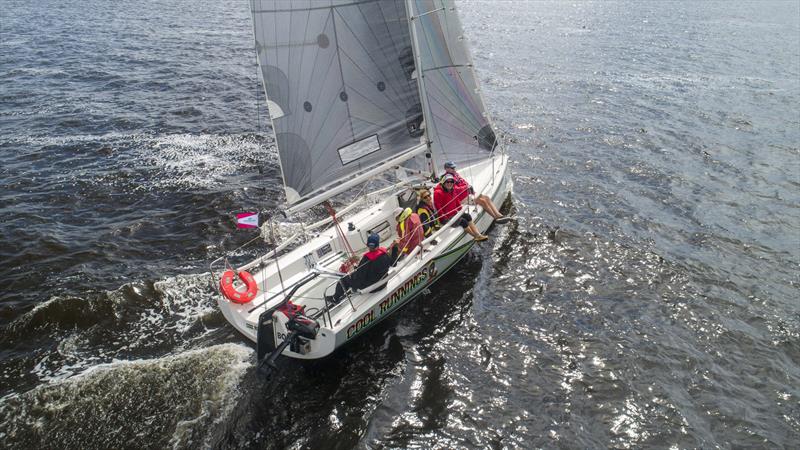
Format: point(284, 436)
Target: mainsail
point(338, 75)
point(455, 117)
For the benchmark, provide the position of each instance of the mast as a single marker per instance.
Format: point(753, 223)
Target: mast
point(420, 82)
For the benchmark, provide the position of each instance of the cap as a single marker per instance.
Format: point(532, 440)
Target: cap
point(397, 211)
point(373, 240)
point(448, 176)
point(449, 165)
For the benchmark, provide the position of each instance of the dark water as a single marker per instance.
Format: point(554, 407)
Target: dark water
point(647, 296)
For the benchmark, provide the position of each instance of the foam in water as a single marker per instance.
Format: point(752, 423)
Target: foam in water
point(201, 161)
point(169, 317)
point(175, 400)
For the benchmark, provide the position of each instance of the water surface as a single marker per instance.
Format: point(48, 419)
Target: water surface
point(645, 297)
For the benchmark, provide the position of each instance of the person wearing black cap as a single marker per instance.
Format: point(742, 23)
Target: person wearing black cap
point(481, 200)
point(374, 265)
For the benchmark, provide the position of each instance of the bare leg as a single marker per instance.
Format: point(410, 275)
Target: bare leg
point(486, 203)
point(482, 203)
point(472, 230)
point(493, 206)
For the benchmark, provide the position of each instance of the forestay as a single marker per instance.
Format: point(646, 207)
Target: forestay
point(455, 116)
point(342, 97)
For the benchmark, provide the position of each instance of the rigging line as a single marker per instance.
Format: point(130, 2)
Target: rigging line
point(447, 66)
point(275, 255)
point(430, 12)
point(255, 50)
point(338, 227)
point(258, 78)
point(458, 139)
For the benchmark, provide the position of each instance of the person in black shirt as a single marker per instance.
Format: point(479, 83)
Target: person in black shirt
point(374, 265)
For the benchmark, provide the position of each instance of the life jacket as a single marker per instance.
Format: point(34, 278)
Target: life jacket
point(409, 230)
point(401, 219)
point(372, 255)
point(372, 267)
point(427, 215)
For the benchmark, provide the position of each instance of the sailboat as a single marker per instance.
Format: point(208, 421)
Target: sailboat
point(359, 90)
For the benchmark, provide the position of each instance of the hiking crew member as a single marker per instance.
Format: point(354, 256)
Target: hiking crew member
point(447, 199)
point(482, 200)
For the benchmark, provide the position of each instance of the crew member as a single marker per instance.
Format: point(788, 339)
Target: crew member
point(447, 199)
point(427, 213)
point(374, 265)
point(482, 200)
point(409, 230)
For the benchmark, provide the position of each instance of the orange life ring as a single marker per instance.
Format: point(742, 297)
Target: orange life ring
point(234, 295)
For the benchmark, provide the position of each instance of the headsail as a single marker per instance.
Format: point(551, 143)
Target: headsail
point(455, 117)
point(338, 78)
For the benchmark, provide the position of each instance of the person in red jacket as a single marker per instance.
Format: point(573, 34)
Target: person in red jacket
point(482, 200)
point(409, 230)
point(447, 199)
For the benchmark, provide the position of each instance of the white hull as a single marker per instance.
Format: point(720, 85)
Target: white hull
point(354, 315)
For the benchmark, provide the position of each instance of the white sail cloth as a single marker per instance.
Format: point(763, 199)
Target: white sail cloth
point(345, 94)
point(340, 92)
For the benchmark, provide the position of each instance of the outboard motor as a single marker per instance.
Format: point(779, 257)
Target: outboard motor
point(300, 330)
